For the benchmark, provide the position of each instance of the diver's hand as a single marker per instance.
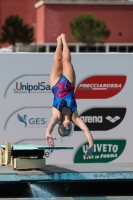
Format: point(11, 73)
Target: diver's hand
point(50, 140)
point(89, 151)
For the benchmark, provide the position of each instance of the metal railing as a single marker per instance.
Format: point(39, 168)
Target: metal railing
point(74, 47)
point(78, 47)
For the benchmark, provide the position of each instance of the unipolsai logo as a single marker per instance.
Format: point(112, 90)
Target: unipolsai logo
point(32, 122)
point(27, 88)
point(100, 87)
point(102, 119)
point(104, 151)
point(29, 84)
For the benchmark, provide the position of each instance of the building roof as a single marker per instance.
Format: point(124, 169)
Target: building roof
point(84, 2)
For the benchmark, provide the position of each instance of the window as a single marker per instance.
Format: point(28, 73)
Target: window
point(101, 49)
point(130, 49)
point(42, 49)
point(122, 49)
point(92, 49)
point(112, 49)
point(83, 49)
point(52, 48)
point(72, 48)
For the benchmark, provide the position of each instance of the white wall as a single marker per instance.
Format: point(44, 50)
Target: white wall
point(32, 70)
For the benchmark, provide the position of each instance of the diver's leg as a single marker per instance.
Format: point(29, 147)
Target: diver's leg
point(68, 69)
point(57, 68)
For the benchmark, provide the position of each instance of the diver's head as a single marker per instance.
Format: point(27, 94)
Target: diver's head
point(65, 128)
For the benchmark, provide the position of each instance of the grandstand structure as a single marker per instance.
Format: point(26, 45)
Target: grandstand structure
point(52, 17)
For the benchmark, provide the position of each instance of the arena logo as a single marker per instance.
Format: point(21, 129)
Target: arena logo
point(104, 151)
point(100, 87)
point(32, 122)
point(40, 87)
point(102, 119)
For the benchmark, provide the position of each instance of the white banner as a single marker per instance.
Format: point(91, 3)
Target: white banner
point(104, 93)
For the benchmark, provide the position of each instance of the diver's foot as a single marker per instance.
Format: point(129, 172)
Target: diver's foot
point(64, 38)
point(59, 40)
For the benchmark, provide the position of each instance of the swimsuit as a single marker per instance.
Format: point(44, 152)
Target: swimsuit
point(64, 96)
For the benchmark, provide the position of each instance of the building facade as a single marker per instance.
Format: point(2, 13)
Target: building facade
point(52, 17)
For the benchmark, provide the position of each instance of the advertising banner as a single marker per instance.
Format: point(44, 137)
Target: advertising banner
point(104, 95)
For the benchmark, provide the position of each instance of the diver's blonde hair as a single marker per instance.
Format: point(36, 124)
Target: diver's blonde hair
point(60, 132)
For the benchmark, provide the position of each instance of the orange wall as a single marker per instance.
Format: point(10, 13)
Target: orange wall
point(52, 20)
point(24, 8)
point(118, 19)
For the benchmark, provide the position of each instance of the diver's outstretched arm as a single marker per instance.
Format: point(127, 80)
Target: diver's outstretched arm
point(53, 121)
point(79, 122)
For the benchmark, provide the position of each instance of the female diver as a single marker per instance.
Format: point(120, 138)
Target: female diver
point(64, 110)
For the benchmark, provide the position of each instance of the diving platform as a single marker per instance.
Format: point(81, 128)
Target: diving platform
point(25, 163)
point(72, 172)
